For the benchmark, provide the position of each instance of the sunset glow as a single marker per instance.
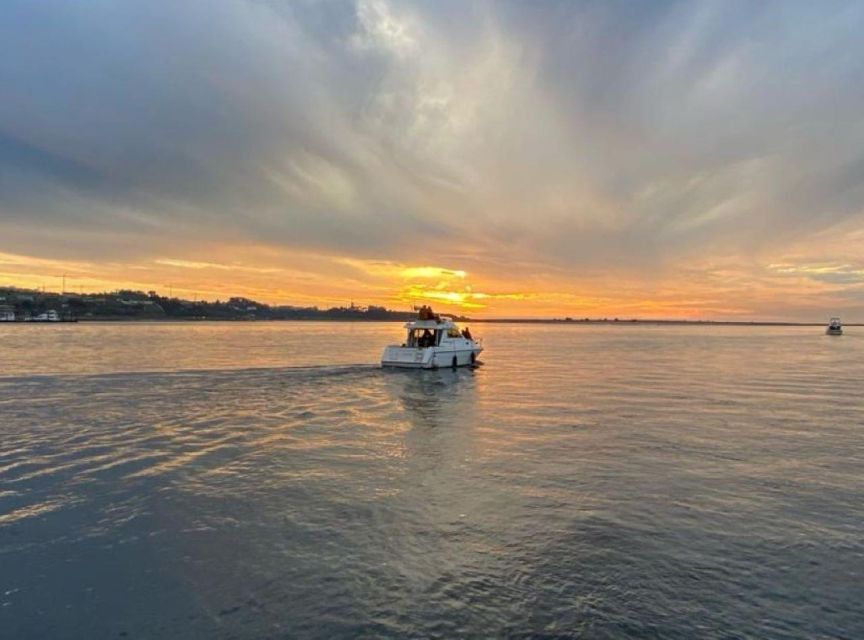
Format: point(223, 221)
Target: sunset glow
point(510, 166)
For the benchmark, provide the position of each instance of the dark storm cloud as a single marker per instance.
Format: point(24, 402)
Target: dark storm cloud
point(579, 133)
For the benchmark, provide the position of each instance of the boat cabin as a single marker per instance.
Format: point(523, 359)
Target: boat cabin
point(431, 333)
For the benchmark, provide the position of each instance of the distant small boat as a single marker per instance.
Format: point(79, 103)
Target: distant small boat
point(48, 316)
point(834, 327)
point(433, 342)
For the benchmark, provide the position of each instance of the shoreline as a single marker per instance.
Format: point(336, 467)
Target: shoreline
point(551, 321)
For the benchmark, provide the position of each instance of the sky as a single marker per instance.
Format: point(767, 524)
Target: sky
point(649, 159)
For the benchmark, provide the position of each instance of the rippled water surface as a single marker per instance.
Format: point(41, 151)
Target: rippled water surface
point(269, 481)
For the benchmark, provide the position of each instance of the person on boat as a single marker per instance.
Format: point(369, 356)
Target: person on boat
point(426, 339)
point(466, 334)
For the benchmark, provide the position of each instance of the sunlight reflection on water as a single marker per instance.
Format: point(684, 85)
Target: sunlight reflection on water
point(268, 480)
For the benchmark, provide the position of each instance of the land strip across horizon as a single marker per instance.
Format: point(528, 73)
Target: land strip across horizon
point(150, 306)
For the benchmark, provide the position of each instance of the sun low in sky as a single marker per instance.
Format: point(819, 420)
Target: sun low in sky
point(520, 159)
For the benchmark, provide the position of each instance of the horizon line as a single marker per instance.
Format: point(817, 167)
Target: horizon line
point(568, 319)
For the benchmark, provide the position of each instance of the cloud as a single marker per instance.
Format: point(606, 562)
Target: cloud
point(551, 143)
point(431, 272)
point(827, 272)
point(233, 266)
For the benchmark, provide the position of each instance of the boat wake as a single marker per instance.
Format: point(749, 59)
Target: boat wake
point(307, 370)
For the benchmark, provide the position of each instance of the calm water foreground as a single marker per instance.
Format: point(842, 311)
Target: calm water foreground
point(269, 481)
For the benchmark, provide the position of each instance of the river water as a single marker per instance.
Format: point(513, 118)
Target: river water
point(268, 480)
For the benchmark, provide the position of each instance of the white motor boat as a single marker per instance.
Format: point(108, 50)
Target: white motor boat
point(48, 316)
point(834, 327)
point(433, 341)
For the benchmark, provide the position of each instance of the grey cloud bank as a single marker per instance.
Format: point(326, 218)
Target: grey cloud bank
point(578, 134)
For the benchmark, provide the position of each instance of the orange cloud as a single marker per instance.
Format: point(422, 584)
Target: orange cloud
point(709, 290)
point(465, 299)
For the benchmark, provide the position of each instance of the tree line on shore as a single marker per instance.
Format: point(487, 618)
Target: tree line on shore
point(140, 305)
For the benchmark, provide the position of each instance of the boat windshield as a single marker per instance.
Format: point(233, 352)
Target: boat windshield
point(422, 338)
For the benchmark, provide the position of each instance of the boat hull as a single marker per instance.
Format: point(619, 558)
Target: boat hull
point(834, 332)
point(429, 358)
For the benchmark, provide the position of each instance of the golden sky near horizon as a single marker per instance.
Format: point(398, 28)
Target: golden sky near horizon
point(704, 291)
point(658, 160)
